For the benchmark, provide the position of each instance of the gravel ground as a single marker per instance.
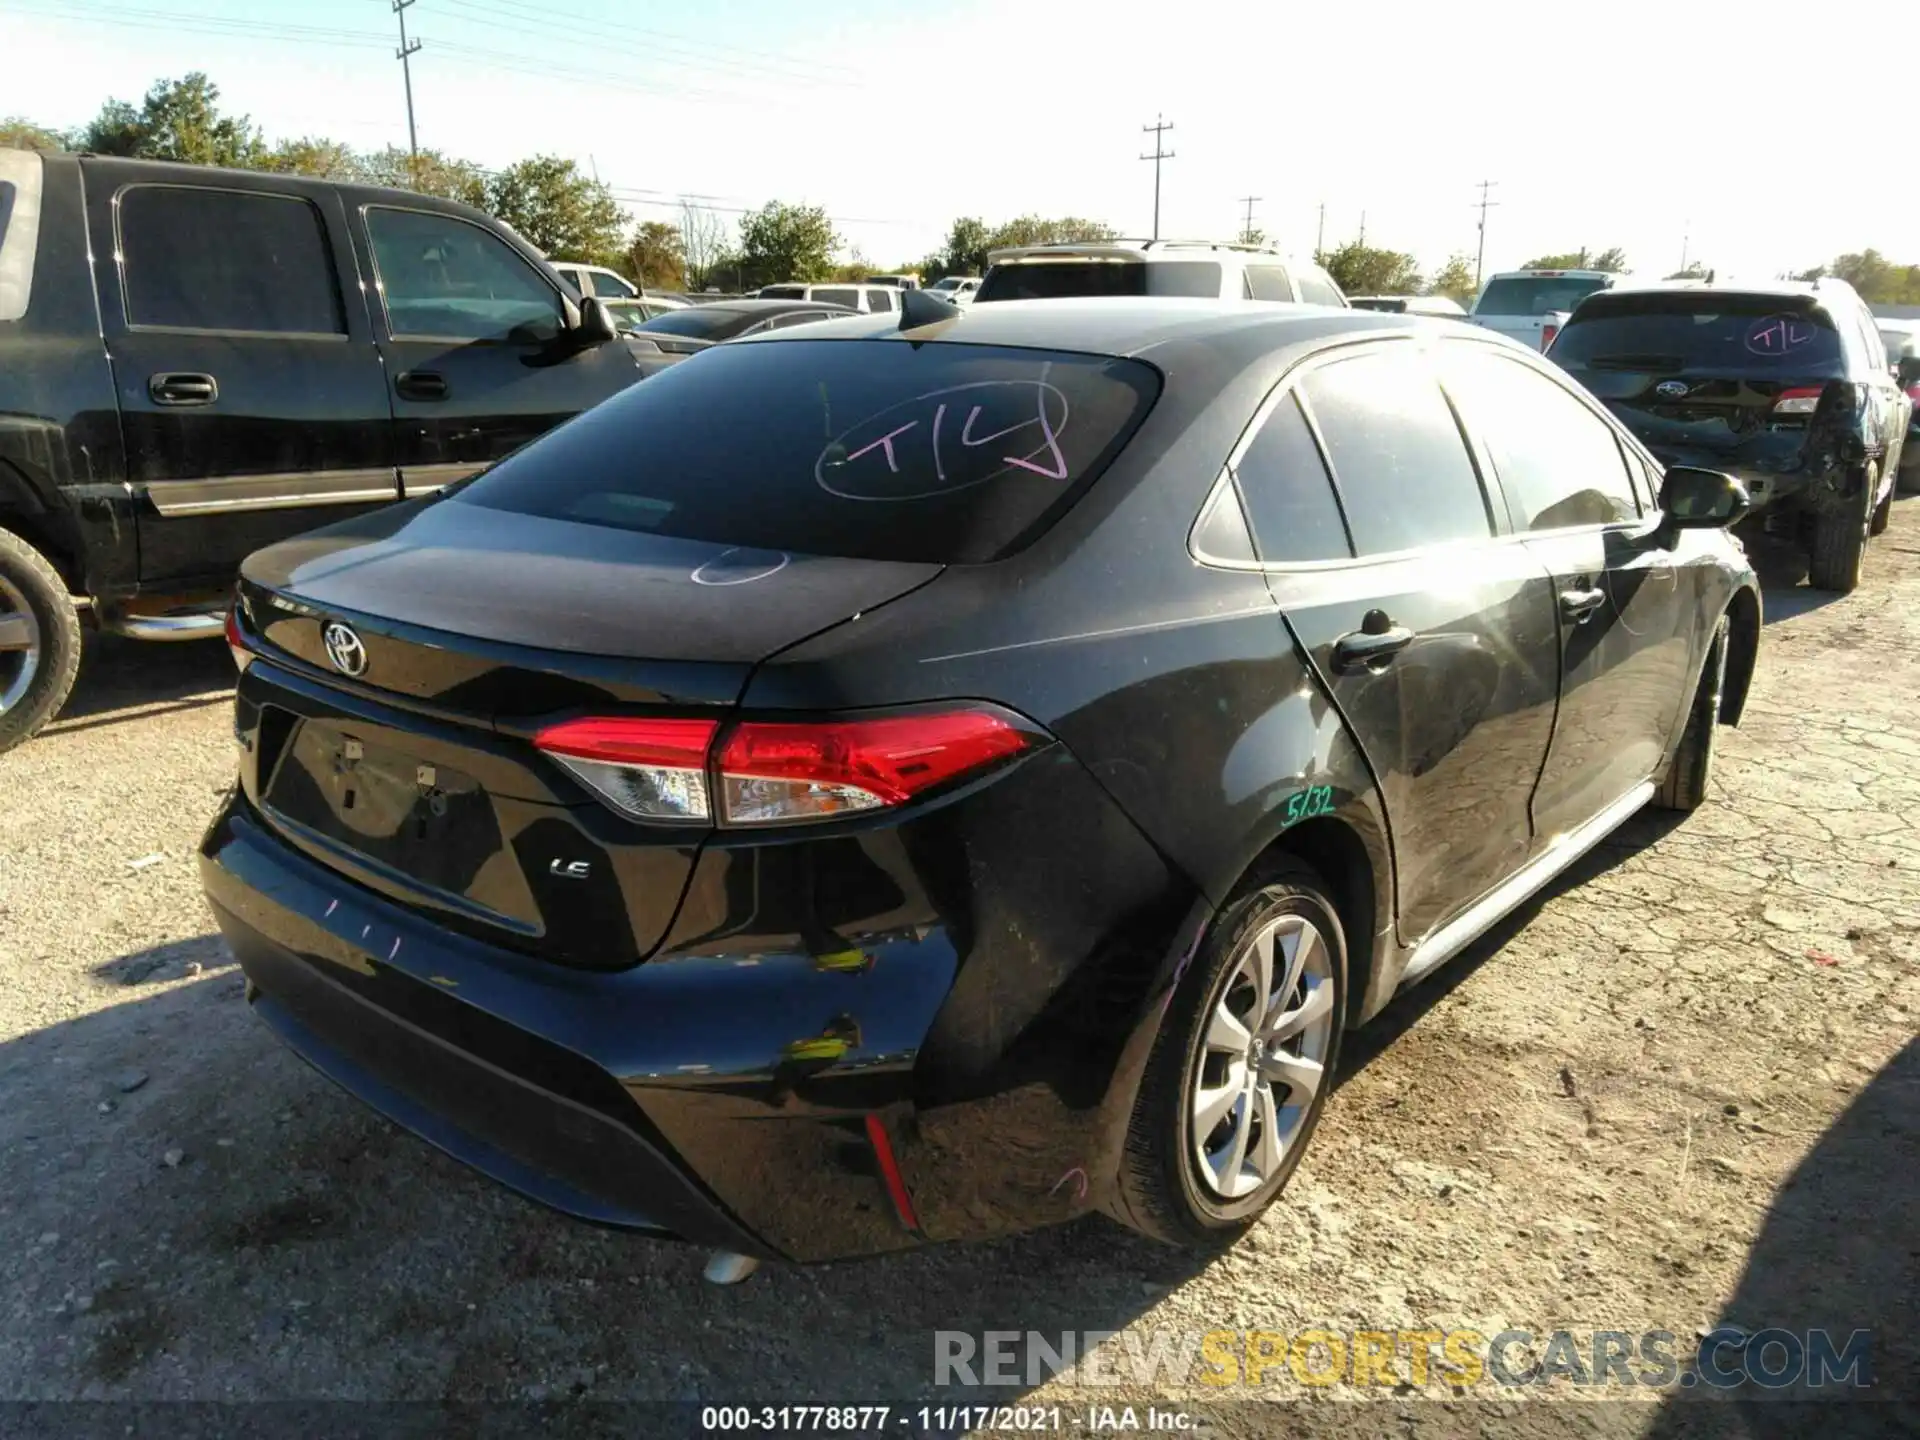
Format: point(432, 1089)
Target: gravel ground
point(1683, 1089)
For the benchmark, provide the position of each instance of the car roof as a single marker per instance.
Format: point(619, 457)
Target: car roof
point(1784, 289)
point(1119, 326)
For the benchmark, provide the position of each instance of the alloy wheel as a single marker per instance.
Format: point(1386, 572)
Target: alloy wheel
point(1264, 1056)
point(20, 645)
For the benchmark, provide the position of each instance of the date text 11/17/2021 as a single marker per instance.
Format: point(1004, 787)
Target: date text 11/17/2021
point(944, 1419)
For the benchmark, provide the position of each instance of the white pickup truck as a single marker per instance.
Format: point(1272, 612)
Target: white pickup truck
point(1532, 305)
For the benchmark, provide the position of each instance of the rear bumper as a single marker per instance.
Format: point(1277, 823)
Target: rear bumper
point(721, 1091)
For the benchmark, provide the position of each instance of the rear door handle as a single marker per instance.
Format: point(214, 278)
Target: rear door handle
point(182, 387)
point(1577, 605)
point(421, 385)
point(1370, 648)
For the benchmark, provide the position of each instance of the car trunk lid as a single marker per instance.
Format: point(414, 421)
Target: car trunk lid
point(411, 656)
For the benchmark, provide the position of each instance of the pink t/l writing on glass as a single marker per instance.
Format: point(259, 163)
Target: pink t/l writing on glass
point(896, 445)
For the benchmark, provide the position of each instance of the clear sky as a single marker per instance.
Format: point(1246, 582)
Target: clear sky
point(1761, 137)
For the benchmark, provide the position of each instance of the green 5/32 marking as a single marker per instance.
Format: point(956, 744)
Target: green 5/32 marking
point(1305, 804)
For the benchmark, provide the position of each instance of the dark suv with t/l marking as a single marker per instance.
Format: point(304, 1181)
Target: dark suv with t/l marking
point(196, 362)
point(892, 781)
point(1787, 387)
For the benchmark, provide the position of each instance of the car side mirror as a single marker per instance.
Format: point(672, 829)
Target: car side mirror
point(1695, 499)
point(596, 323)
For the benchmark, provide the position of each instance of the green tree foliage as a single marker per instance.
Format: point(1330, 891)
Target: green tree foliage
point(967, 243)
point(179, 120)
point(432, 173)
point(1692, 270)
point(785, 242)
point(19, 133)
point(322, 159)
point(1878, 279)
point(1366, 270)
point(559, 211)
point(656, 257)
point(1454, 280)
point(1613, 260)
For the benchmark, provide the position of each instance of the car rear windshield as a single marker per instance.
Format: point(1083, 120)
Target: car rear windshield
point(869, 449)
point(1061, 279)
point(1706, 330)
point(783, 292)
point(1535, 294)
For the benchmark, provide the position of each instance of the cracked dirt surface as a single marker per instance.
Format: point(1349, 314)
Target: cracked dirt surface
point(1681, 1089)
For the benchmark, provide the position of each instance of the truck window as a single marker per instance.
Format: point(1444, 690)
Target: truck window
point(1317, 289)
point(194, 259)
point(445, 279)
point(611, 287)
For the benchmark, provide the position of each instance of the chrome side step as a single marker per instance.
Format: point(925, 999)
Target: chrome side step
point(1453, 937)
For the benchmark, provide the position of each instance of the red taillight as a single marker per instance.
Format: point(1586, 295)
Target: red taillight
point(775, 772)
point(1548, 330)
point(646, 768)
point(784, 771)
point(1801, 400)
point(237, 640)
point(1913, 392)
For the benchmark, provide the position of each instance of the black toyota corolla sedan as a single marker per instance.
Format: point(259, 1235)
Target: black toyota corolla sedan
point(883, 785)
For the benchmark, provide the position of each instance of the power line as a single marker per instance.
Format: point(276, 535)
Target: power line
point(405, 56)
point(1159, 127)
point(1480, 256)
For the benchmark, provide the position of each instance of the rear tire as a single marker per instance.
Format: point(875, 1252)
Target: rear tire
point(1176, 1186)
point(1684, 786)
point(1840, 539)
point(39, 641)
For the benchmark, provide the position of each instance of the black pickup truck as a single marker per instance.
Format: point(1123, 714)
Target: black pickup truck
point(195, 363)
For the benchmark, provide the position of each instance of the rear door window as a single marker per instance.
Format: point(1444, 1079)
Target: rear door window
point(1268, 282)
point(1558, 463)
point(1289, 499)
point(1402, 468)
point(849, 298)
point(445, 279)
point(880, 300)
point(611, 287)
point(943, 453)
point(228, 260)
point(783, 292)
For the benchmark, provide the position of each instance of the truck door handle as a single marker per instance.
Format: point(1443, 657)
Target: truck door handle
point(182, 387)
point(1577, 605)
point(1370, 647)
point(421, 385)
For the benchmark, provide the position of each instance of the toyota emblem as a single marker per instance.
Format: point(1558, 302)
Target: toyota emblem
point(344, 649)
point(1671, 389)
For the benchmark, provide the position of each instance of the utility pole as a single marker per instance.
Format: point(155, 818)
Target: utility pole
point(1159, 127)
point(1320, 235)
point(1686, 237)
point(1480, 256)
point(1363, 229)
point(406, 50)
point(1246, 230)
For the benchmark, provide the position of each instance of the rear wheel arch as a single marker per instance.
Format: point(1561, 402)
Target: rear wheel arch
point(1743, 651)
point(25, 512)
point(1336, 851)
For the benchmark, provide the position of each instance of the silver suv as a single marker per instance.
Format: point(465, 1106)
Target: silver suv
point(1193, 268)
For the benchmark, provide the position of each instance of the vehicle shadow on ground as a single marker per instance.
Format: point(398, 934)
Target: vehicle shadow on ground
point(196, 1214)
point(1839, 1252)
point(120, 674)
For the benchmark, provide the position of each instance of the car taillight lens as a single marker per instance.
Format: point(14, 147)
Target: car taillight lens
point(647, 769)
point(1913, 392)
point(1547, 334)
point(1803, 400)
point(237, 640)
point(778, 772)
point(774, 772)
